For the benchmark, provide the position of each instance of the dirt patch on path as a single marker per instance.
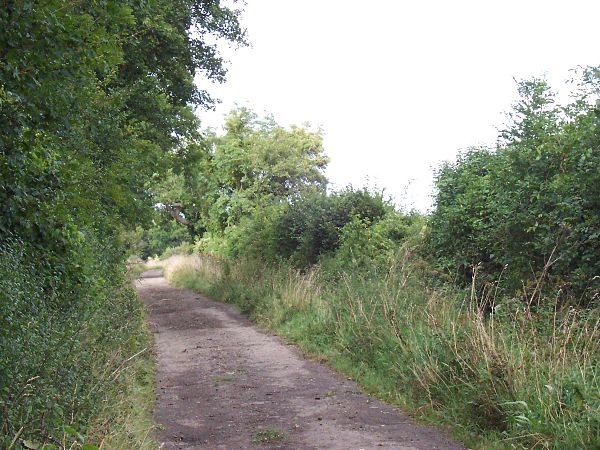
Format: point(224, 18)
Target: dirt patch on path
point(223, 384)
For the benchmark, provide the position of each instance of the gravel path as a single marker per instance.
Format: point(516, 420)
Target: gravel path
point(224, 384)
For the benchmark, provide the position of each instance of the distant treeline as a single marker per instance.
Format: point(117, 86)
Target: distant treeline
point(526, 212)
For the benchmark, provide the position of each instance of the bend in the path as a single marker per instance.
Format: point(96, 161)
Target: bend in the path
point(223, 384)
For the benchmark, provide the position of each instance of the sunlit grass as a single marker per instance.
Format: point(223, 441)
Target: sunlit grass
point(126, 421)
point(515, 378)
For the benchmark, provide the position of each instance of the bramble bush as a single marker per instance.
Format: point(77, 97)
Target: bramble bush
point(528, 210)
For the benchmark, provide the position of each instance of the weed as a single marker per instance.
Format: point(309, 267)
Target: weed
point(268, 435)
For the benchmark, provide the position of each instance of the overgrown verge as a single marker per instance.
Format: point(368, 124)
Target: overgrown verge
point(75, 363)
point(513, 377)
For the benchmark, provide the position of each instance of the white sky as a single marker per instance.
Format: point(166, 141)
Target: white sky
point(399, 86)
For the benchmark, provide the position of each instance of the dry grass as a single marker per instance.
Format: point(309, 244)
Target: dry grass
point(523, 378)
point(204, 266)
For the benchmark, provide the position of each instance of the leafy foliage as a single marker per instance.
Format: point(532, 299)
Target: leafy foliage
point(62, 343)
point(312, 225)
point(95, 98)
point(256, 163)
point(529, 208)
point(151, 241)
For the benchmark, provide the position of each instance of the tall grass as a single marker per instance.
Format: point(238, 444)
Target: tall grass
point(507, 377)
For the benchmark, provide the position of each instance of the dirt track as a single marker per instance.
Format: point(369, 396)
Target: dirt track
point(223, 384)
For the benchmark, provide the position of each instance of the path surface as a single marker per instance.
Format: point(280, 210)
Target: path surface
point(223, 384)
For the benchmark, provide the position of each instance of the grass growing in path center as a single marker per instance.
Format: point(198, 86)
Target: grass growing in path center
point(268, 435)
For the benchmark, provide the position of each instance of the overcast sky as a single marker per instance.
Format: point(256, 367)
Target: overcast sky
point(399, 86)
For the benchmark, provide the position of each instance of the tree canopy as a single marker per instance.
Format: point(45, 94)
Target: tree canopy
point(95, 99)
point(92, 96)
point(254, 163)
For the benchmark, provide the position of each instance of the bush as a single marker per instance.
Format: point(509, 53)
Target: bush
point(371, 247)
point(64, 341)
point(529, 209)
point(312, 225)
point(183, 249)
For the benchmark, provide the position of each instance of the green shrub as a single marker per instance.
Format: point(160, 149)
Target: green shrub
point(64, 342)
point(529, 209)
point(312, 225)
point(182, 249)
point(363, 246)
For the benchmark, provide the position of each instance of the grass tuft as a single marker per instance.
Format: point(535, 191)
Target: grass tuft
point(268, 435)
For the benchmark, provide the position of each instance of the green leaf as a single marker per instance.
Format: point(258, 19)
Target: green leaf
point(74, 433)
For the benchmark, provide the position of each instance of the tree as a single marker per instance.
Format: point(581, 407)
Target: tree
point(256, 162)
point(93, 98)
point(96, 97)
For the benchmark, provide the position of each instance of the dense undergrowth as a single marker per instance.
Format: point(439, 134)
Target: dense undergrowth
point(75, 362)
point(516, 378)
